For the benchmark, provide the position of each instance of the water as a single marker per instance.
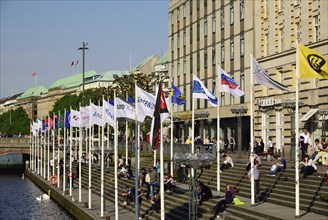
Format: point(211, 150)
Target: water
point(18, 200)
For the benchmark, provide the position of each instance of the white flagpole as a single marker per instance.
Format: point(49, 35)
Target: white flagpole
point(31, 145)
point(102, 202)
point(297, 178)
point(162, 173)
point(218, 133)
point(44, 155)
point(136, 182)
point(64, 154)
point(155, 150)
point(252, 132)
point(90, 146)
point(80, 158)
point(126, 137)
point(193, 125)
point(70, 155)
point(53, 146)
point(116, 158)
point(48, 152)
point(41, 154)
point(58, 142)
point(171, 155)
point(39, 134)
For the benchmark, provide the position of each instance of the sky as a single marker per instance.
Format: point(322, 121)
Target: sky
point(43, 37)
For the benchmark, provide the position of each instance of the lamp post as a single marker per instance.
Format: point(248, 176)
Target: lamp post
point(196, 162)
point(239, 111)
point(83, 48)
point(324, 115)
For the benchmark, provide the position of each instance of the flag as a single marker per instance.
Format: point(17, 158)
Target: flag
point(77, 62)
point(85, 116)
point(72, 64)
point(229, 85)
point(146, 104)
point(75, 118)
point(67, 121)
point(177, 97)
point(96, 115)
point(61, 122)
point(34, 74)
point(261, 77)
point(56, 121)
point(160, 114)
point(35, 128)
point(201, 92)
point(109, 113)
point(311, 64)
point(131, 100)
point(124, 109)
point(40, 125)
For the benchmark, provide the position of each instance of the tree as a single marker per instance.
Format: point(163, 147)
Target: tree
point(15, 122)
point(66, 102)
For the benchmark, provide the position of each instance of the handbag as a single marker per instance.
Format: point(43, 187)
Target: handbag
point(237, 201)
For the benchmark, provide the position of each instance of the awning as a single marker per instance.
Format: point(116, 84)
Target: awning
point(309, 114)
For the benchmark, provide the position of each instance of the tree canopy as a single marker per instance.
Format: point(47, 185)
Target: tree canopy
point(15, 122)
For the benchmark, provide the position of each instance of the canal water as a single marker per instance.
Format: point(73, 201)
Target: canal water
point(18, 200)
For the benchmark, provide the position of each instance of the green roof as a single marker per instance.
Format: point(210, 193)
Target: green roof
point(163, 60)
point(111, 75)
point(142, 63)
point(34, 91)
point(73, 80)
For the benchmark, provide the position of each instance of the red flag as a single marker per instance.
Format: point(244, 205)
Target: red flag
point(34, 74)
point(72, 64)
point(160, 114)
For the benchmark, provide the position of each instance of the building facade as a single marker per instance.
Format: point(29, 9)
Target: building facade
point(206, 35)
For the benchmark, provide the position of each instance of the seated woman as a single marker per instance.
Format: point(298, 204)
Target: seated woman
point(227, 163)
point(279, 165)
point(156, 203)
point(320, 151)
point(169, 182)
point(309, 167)
point(205, 193)
point(229, 195)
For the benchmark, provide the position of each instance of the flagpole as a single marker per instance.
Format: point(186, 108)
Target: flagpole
point(116, 157)
point(80, 158)
point(136, 151)
point(218, 133)
point(39, 134)
point(102, 202)
point(53, 145)
point(58, 142)
point(162, 171)
point(64, 154)
point(297, 178)
point(126, 135)
point(41, 154)
point(252, 132)
point(90, 146)
point(155, 150)
point(31, 144)
point(48, 151)
point(44, 155)
point(70, 155)
point(171, 155)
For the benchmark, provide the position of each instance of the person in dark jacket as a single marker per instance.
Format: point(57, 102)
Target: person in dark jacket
point(229, 195)
point(205, 193)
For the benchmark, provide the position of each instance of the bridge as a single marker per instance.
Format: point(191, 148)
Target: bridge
point(14, 146)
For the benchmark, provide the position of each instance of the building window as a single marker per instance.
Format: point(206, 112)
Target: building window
point(184, 37)
point(213, 88)
point(184, 10)
point(281, 5)
point(266, 6)
point(184, 66)
point(190, 34)
point(191, 7)
point(316, 28)
point(178, 40)
point(213, 24)
point(172, 18)
point(205, 59)
point(191, 63)
point(231, 13)
point(198, 4)
point(213, 57)
point(222, 19)
point(222, 53)
point(178, 14)
point(242, 45)
point(172, 71)
point(205, 27)
point(242, 86)
point(172, 42)
point(198, 31)
point(266, 45)
point(298, 32)
point(198, 61)
point(178, 69)
point(222, 98)
point(232, 55)
point(282, 39)
point(242, 10)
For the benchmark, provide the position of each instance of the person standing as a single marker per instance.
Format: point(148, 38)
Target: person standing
point(256, 179)
point(307, 139)
point(270, 146)
point(153, 181)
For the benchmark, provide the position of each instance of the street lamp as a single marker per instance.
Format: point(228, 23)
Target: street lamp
point(83, 48)
point(323, 113)
point(194, 162)
point(239, 111)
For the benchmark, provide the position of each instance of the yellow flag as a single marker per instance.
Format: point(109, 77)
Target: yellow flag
point(311, 64)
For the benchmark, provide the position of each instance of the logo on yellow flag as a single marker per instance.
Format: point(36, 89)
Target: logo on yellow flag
point(311, 64)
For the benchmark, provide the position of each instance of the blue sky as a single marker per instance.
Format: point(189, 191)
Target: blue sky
point(43, 37)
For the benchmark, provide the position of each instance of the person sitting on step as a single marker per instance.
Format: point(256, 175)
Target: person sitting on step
point(227, 163)
point(309, 167)
point(205, 193)
point(229, 195)
point(169, 182)
point(280, 165)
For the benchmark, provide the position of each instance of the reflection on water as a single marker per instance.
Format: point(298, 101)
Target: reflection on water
point(18, 200)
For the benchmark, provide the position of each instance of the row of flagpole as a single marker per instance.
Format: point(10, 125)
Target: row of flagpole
point(225, 84)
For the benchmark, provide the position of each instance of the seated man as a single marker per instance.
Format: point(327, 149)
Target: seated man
point(278, 166)
point(227, 163)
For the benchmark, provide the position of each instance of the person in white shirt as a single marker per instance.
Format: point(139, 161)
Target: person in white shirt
point(227, 163)
point(270, 146)
point(309, 167)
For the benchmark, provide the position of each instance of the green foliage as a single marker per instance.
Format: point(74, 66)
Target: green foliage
point(66, 102)
point(15, 122)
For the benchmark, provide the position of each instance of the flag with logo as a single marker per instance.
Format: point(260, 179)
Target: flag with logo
point(131, 100)
point(311, 64)
point(262, 78)
point(201, 92)
point(35, 128)
point(124, 109)
point(177, 97)
point(229, 85)
point(145, 104)
point(109, 113)
point(96, 114)
point(160, 114)
point(85, 116)
point(75, 118)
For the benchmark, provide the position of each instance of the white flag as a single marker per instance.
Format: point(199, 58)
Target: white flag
point(109, 113)
point(124, 109)
point(96, 115)
point(35, 128)
point(199, 91)
point(40, 126)
point(146, 104)
point(85, 116)
point(74, 118)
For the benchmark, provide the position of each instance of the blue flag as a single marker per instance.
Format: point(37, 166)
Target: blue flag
point(67, 123)
point(131, 100)
point(177, 97)
point(199, 91)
